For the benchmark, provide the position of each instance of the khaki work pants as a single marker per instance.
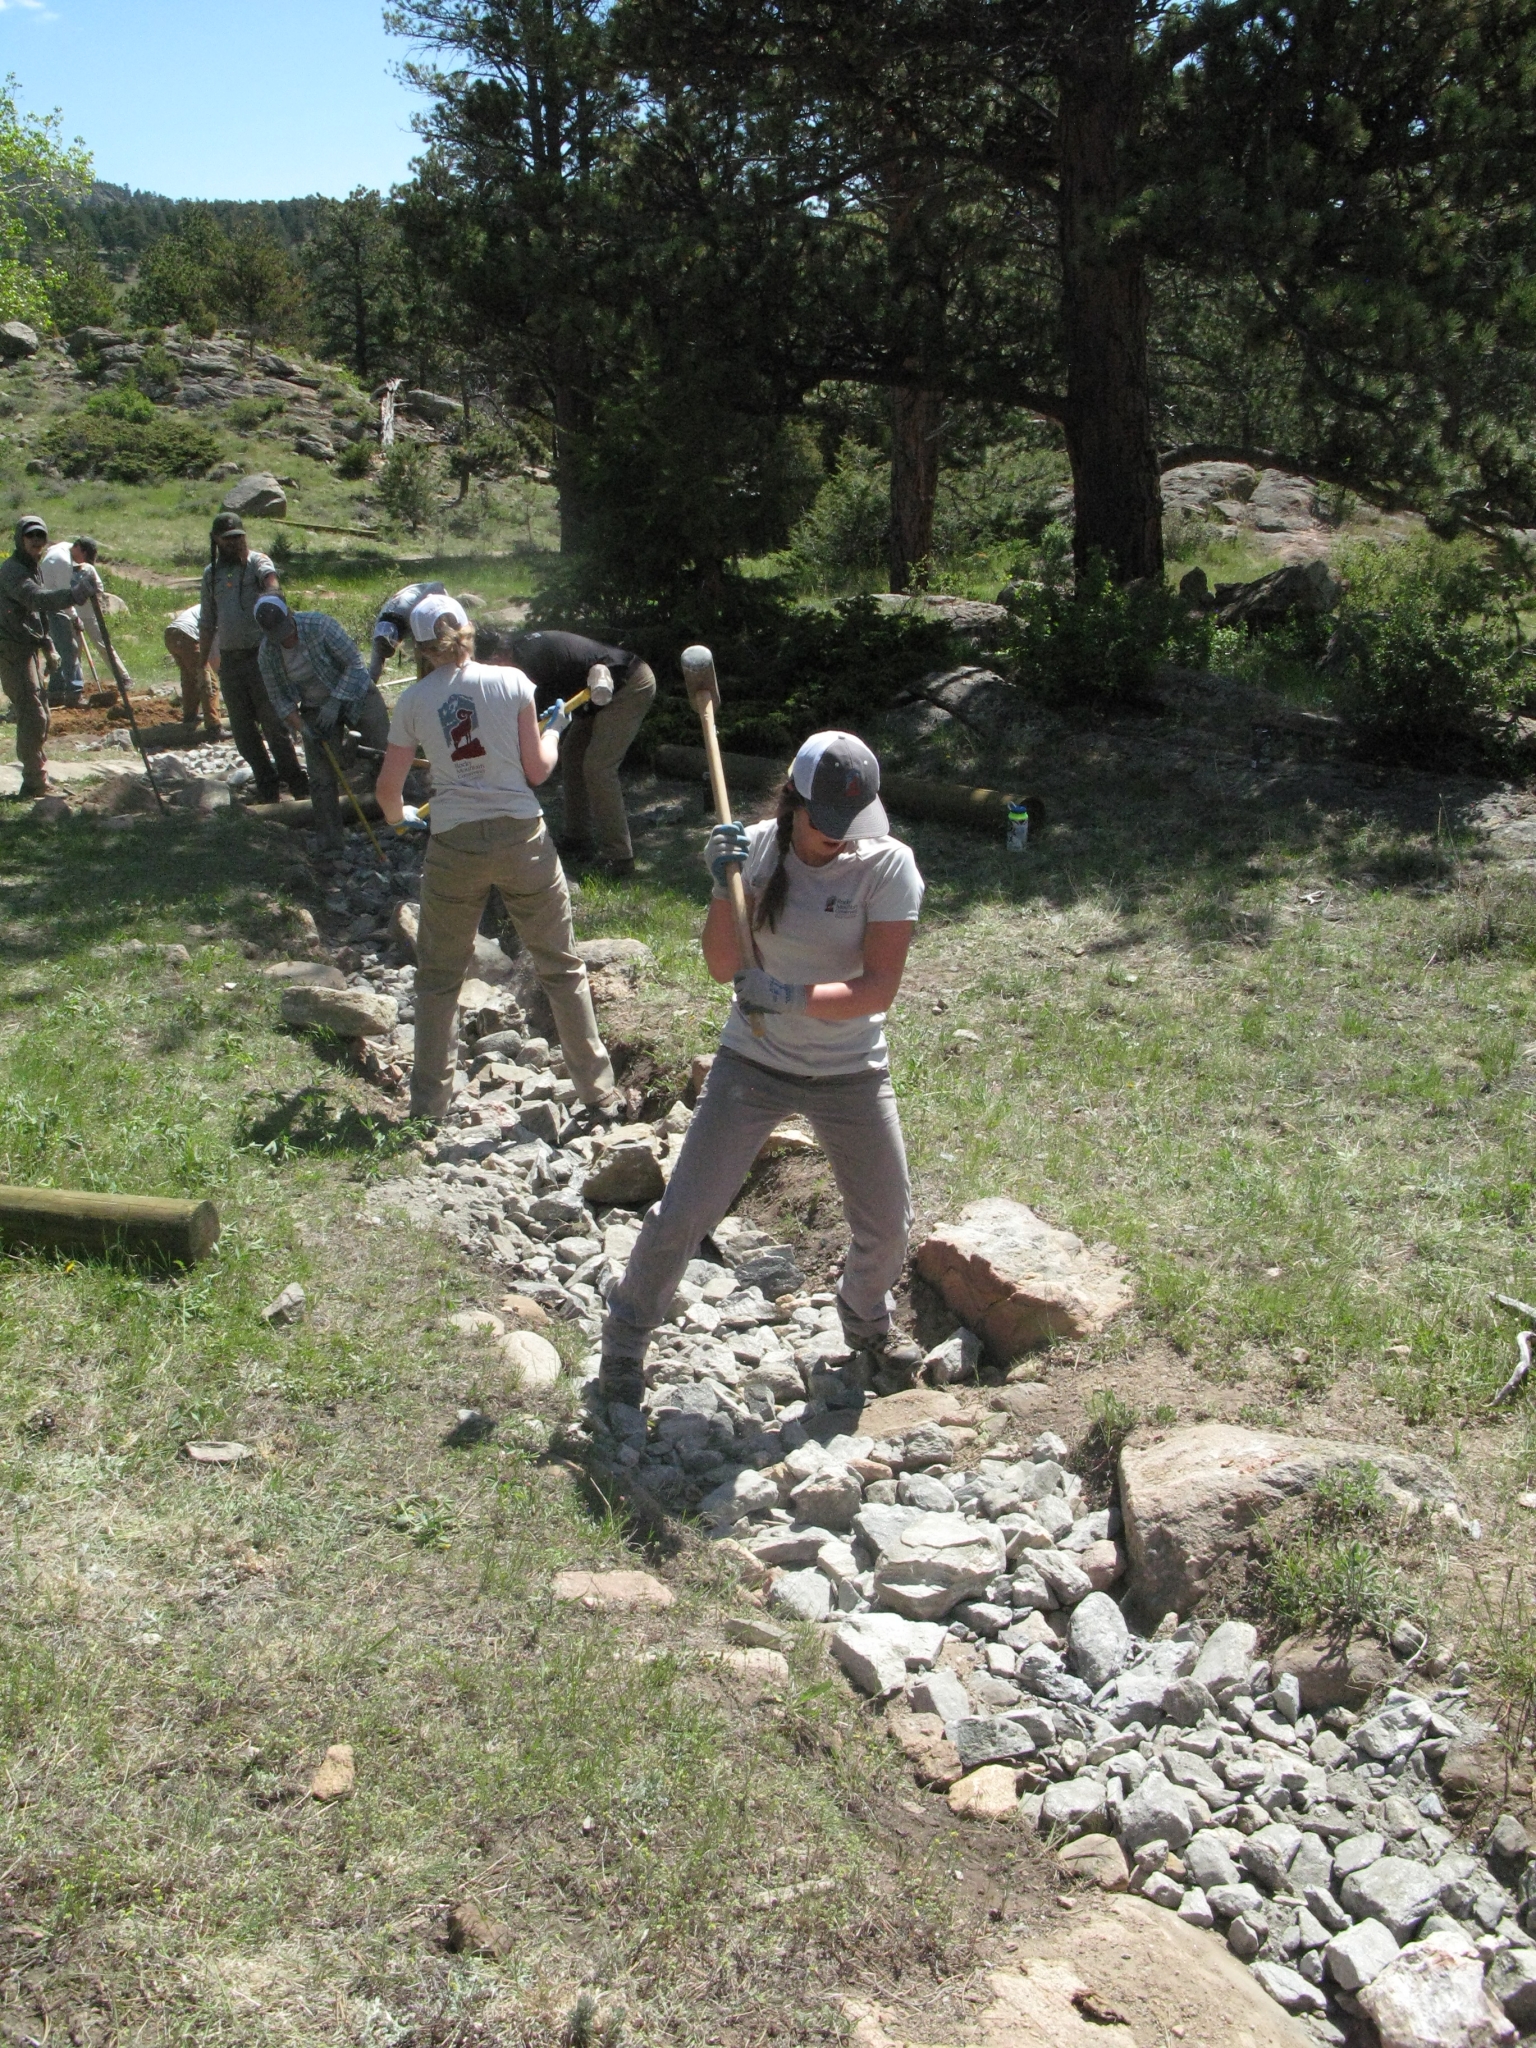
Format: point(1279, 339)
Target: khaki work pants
point(463, 865)
point(24, 678)
point(197, 691)
point(590, 753)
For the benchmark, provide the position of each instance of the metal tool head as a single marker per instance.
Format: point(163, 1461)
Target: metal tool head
point(600, 684)
point(699, 677)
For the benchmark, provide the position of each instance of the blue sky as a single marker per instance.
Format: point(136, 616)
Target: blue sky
point(201, 99)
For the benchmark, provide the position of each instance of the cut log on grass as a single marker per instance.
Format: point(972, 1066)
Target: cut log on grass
point(913, 796)
point(144, 1226)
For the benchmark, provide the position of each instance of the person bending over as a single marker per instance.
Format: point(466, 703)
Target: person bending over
point(834, 899)
point(596, 822)
point(480, 732)
point(320, 689)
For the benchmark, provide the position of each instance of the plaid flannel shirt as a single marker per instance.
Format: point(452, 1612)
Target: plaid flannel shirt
point(334, 659)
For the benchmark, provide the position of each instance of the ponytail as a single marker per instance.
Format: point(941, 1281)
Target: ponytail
point(450, 647)
point(770, 905)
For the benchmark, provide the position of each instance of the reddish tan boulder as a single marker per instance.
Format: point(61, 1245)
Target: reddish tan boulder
point(1016, 1280)
point(934, 1759)
point(1192, 1500)
point(612, 1589)
point(1332, 1673)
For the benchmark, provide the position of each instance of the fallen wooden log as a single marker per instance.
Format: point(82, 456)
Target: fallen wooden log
point(914, 796)
point(145, 1226)
point(302, 812)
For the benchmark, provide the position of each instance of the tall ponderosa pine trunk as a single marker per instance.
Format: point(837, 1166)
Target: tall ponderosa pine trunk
point(917, 419)
point(1105, 308)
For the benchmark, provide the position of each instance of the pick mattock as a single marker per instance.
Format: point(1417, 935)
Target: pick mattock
point(704, 694)
point(121, 677)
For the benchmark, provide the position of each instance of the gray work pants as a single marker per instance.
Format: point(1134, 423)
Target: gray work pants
point(591, 750)
point(856, 1123)
point(263, 739)
point(368, 716)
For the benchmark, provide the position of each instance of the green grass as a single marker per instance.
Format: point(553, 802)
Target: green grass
point(178, 1646)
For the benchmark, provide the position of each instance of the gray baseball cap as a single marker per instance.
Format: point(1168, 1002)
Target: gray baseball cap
point(840, 780)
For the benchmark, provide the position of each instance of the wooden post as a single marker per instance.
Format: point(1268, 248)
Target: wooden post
point(145, 1226)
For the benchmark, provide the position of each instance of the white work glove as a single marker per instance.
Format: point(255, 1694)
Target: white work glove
point(411, 822)
point(757, 990)
point(726, 847)
point(556, 718)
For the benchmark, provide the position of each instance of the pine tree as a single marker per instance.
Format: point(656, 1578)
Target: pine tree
point(356, 265)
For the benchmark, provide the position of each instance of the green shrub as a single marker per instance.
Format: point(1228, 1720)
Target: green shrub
point(158, 373)
point(1426, 646)
point(408, 484)
point(356, 459)
point(124, 446)
point(843, 533)
point(123, 401)
point(245, 415)
point(1103, 641)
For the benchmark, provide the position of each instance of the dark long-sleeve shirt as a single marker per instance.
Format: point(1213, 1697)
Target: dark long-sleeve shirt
point(557, 663)
point(25, 604)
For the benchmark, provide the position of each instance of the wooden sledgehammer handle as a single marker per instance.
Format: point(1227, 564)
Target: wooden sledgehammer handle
point(704, 694)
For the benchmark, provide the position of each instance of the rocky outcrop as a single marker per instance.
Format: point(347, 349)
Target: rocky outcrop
point(17, 341)
point(1192, 1499)
point(1016, 1280)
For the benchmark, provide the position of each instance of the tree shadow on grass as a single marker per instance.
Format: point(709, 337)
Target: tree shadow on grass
point(71, 885)
point(311, 1120)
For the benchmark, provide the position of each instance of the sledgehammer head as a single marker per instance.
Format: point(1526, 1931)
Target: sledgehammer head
point(699, 677)
point(600, 684)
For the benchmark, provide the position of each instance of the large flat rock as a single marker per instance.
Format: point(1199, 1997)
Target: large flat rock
point(1121, 1972)
point(1192, 1500)
point(1016, 1280)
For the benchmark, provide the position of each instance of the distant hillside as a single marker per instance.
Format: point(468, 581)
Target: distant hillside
point(122, 223)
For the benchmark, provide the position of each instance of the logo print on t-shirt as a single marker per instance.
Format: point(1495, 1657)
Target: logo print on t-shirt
point(458, 718)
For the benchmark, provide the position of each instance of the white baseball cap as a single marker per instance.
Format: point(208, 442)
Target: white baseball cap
point(426, 615)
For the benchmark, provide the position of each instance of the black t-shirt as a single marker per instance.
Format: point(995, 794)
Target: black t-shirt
point(557, 663)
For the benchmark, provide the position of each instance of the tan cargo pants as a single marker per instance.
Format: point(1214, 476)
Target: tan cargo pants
point(590, 754)
point(24, 678)
point(197, 691)
point(463, 865)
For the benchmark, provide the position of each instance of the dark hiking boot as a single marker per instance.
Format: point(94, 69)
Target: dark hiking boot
point(895, 1361)
point(621, 1381)
point(614, 868)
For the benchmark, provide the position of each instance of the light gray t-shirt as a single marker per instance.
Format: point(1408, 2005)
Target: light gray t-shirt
point(189, 621)
point(465, 721)
point(233, 588)
point(820, 937)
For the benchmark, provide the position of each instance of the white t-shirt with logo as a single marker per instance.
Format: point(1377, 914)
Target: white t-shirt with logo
point(465, 722)
point(820, 937)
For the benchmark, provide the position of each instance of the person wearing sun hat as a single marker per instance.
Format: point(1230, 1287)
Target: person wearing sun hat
point(480, 732)
point(834, 901)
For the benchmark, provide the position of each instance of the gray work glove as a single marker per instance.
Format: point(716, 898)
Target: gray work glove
point(83, 585)
point(726, 847)
point(757, 990)
point(325, 718)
